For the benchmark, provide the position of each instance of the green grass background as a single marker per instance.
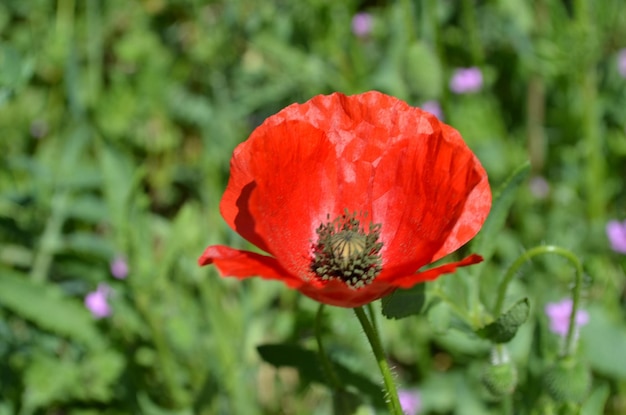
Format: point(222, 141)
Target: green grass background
point(117, 122)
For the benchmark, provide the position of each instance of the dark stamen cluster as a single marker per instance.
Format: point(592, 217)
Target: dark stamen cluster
point(345, 251)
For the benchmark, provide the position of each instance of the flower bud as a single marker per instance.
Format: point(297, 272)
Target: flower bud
point(500, 379)
point(568, 380)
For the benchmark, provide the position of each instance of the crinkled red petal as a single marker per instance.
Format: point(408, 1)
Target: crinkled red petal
point(243, 264)
point(296, 180)
point(409, 281)
point(283, 184)
point(421, 191)
point(234, 205)
point(477, 201)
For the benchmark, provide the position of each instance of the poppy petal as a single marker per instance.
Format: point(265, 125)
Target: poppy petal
point(234, 205)
point(243, 264)
point(409, 281)
point(338, 294)
point(363, 117)
point(296, 179)
point(421, 187)
point(475, 210)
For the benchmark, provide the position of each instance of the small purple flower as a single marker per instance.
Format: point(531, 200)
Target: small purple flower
point(119, 267)
point(96, 301)
point(621, 62)
point(466, 80)
point(616, 232)
point(559, 314)
point(434, 108)
point(410, 401)
point(362, 24)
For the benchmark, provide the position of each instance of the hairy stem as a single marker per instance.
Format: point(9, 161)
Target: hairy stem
point(374, 339)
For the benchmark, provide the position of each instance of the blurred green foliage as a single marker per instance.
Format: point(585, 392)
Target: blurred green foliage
point(117, 121)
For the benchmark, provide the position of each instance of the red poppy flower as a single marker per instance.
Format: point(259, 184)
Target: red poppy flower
point(351, 196)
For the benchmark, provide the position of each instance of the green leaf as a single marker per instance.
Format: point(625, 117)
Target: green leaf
point(597, 400)
point(120, 180)
point(37, 380)
point(505, 327)
point(88, 208)
point(48, 307)
point(51, 379)
point(307, 364)
point(485, 241)
point(404, 303)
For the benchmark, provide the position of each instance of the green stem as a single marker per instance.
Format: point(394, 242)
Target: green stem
point(539, 250)
point(326, 363)
point(594, 154)
point(507, 405)
point(94, 49)
point(372, 335)
point(409, 18)
point(591, 125)
point(372, 316)
point(535, 120)
point(536, 96)
point(65, 18)
point(50, 239)
point(469, 22)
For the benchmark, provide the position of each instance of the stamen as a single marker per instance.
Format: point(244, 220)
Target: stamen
point(346, 252)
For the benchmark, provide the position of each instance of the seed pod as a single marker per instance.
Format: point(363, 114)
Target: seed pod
point(500, 380)
point(568, 380)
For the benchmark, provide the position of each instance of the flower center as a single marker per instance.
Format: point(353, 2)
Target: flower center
point(345, 251)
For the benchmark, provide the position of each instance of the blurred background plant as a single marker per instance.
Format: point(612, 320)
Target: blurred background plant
point(117, 122)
